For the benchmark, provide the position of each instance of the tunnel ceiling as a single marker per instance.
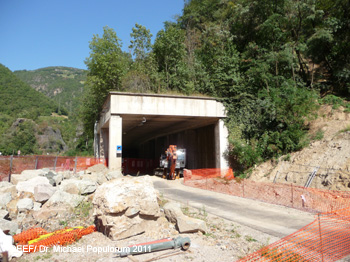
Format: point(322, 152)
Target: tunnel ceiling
point(141, 128)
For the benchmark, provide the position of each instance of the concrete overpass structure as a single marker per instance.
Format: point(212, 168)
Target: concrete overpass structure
point(144, 125)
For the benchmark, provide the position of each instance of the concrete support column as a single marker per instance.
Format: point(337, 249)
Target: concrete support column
point(115, 140)
point(221, 144)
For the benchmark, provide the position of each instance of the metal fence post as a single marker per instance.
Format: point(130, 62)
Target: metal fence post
point(11, 162)
point(291, 188)
point(54, 167)
point(319, 228)
point(36, 162)
point(243, 187)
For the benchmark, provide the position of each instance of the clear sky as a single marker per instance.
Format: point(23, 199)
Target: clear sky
point(41, 33)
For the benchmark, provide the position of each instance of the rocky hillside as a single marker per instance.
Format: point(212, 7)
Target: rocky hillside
point(63, 84)
point(328, 154)
point(30, 121)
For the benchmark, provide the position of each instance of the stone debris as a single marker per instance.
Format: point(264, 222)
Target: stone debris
point(185, 224)
point(30, 184)
point(43, 192)
point(127, 206)
point(76, 186)
point(25, 204)
point(120, 206)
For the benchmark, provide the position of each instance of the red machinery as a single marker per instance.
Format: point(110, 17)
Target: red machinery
point(173, 162)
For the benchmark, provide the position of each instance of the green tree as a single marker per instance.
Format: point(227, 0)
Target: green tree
point(107, 65)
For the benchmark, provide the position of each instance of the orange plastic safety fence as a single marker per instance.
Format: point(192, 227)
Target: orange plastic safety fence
point(200, 174)
point(307, 199)
point(28, 235)
point(325, 239)
point(60, 238)
point(16, 164)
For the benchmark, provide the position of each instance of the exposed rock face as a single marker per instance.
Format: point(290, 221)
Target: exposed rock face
point(126, 206)
point(51, 140)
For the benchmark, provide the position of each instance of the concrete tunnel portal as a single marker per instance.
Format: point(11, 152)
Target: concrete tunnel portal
point(142, 126)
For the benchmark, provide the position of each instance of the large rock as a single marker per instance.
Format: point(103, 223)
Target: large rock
point(125, 207)
point(58, 179)
point(5, 198)
point(114, 175)
point(43, 192)
point(26, 175)
point(29, 185)
point(185, 224)
point(25, 204)
point(97, 178)
point(53, 212)
point(6, 187)
point(6, 225)
point(3, 213)
point(99, 168)
point(65, 198)
point(75, 186)
point(51, 177)
point(172, 211)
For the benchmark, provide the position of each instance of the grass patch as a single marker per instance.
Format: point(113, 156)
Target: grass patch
point(83, 209)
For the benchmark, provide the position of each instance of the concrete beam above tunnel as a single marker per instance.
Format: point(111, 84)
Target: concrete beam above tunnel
point(129, 119)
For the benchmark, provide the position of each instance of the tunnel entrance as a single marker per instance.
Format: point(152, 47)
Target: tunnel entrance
point(198, 142)
point(142, 126)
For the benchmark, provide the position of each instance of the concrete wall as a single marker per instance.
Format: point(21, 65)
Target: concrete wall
point(205, 142)
point(147, 104)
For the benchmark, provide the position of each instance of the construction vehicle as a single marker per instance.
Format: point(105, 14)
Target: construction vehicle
point(172, 163)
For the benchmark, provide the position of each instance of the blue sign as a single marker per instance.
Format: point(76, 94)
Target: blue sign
point(119, 149)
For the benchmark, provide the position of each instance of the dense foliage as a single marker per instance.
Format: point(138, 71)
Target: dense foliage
point(268, 61)
point(63, 84)
point(19, 100)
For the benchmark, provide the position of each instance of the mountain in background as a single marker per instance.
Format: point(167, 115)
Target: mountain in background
point(31, 121)
point(63, 84)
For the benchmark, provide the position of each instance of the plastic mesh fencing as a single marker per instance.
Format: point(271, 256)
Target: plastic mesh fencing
point(205, 173)
point(325, 239)
point(307, 199)
point(25, 236)
point(16, 164)
point(60, 237)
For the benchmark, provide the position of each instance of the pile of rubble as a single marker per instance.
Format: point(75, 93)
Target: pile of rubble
point(120, 206)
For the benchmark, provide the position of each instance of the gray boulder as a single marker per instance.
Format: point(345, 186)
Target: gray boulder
point(126, 207)
point(6, 187)
point(62, 197)
point(8, 225)
point(5, 198)
point(172, 211)
point(3, 213)
point(29, 185)
point(185, 224)
point(43, 192)
point(114, 175)
point(75, 186)
point(25, 204)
